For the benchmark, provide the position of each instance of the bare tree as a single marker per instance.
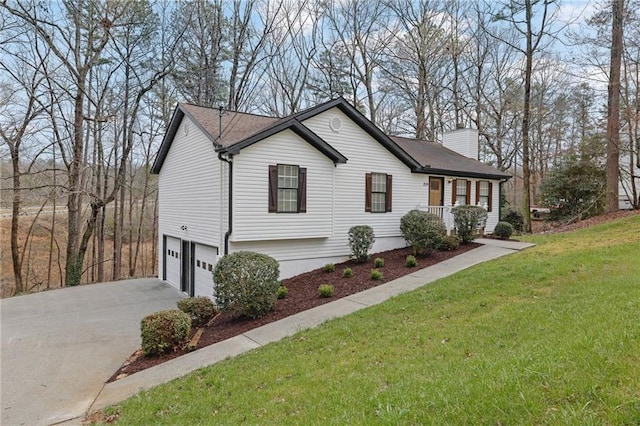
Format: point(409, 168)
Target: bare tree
point(362, 33)
point(613, 107)
point(291, 47)
point(415, 64)
point(199, 73)
point(532, 19)
point(20, 109)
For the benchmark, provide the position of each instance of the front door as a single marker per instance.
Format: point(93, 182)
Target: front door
point(436, 191)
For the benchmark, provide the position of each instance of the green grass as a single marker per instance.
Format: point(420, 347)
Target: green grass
point(550, 335)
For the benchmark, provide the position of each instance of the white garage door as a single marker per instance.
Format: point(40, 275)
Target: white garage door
point(172, 261)
point(205, 259)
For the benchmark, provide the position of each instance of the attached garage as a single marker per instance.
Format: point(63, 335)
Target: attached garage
point(188, 266)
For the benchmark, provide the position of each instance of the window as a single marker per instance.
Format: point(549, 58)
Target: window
point(483, 193)
point(461, 192)
point(287, 189)
point(377, 193)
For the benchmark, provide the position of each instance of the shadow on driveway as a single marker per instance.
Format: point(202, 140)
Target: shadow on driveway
point(59, 347)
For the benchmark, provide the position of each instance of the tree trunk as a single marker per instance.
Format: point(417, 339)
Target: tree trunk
point(526, 171)
point(73, 269)
point(15, 225)
point(613, 108)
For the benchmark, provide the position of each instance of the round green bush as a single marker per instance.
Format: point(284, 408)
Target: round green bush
point(329, 267)
point(247, 283)
point(411, 261)
point(449, 243)
point(325, 290)
point(468, 220)
point(515, 218)
point(282, 292)
point(201, 309)
point(423, 231)
point(503, 230)
point(361, 239)
point(164, 331)
point(347, 273)
point(376, 275)
point(378, 262)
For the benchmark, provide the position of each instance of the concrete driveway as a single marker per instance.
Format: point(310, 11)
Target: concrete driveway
point(59, 347)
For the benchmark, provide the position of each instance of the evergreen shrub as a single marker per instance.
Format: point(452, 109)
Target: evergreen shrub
point(247, 283)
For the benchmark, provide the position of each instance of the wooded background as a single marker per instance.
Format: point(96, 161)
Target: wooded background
point(87, 88)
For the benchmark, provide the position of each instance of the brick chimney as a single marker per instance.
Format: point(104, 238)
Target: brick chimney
point(462, 141)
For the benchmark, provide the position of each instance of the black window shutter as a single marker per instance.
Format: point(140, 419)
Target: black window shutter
point(477, 192)
point(302, 189)
point(367, 192)
point(468, 191)
point(389, 192)
point(454, 191)
point(490, 196)
point(273, 189)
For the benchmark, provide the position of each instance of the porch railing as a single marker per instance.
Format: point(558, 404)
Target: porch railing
point(443, 212)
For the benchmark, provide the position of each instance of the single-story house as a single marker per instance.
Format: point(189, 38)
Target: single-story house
point(292, 187)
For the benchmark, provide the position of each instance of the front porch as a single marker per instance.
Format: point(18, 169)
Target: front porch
point(444, 213)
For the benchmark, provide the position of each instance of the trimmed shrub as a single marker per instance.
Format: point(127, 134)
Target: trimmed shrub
point(361, 239)
point(282, 292)
point(378, 262)
point(503, 230)
point(411, 261)
point(467, 220)
point(515, 218)
point(325, 290)
point(449, 243)
point(376, 275)
point(329, 267)
point(164, 331)
point(423, 231)
point(347, 273)
point(246, 283)
point(200, 309)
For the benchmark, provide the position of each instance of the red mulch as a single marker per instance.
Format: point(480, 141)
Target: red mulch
point(303, 295)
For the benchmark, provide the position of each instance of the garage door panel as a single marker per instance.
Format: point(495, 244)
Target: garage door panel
point(205, 259)
point(172, 258)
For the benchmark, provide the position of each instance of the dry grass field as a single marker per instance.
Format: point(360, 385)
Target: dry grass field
point(44, 258)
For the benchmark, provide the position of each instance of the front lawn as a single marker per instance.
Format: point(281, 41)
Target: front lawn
point(550, 335)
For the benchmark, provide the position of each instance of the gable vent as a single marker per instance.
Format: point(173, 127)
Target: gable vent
point(335, 124)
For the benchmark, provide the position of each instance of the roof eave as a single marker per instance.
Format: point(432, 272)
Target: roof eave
point(299, 129)
point(469, 174)
point(174, 124)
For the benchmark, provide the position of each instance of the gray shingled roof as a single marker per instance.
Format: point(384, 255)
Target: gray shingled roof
point(436, 159)
point(242, 129)
point(236, 126)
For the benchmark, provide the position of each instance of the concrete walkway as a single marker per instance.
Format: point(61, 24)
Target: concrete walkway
point(115, 392)
point(59, 347)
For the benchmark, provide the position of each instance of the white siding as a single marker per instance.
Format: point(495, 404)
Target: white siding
point(251, 218)
point(364, 155)
point(462, 141)
point(189, 185)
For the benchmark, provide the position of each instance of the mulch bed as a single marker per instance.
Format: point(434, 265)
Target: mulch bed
point(303, 295)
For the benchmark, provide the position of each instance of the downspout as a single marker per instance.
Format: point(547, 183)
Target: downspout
point(227, 234)
point(229, 161)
